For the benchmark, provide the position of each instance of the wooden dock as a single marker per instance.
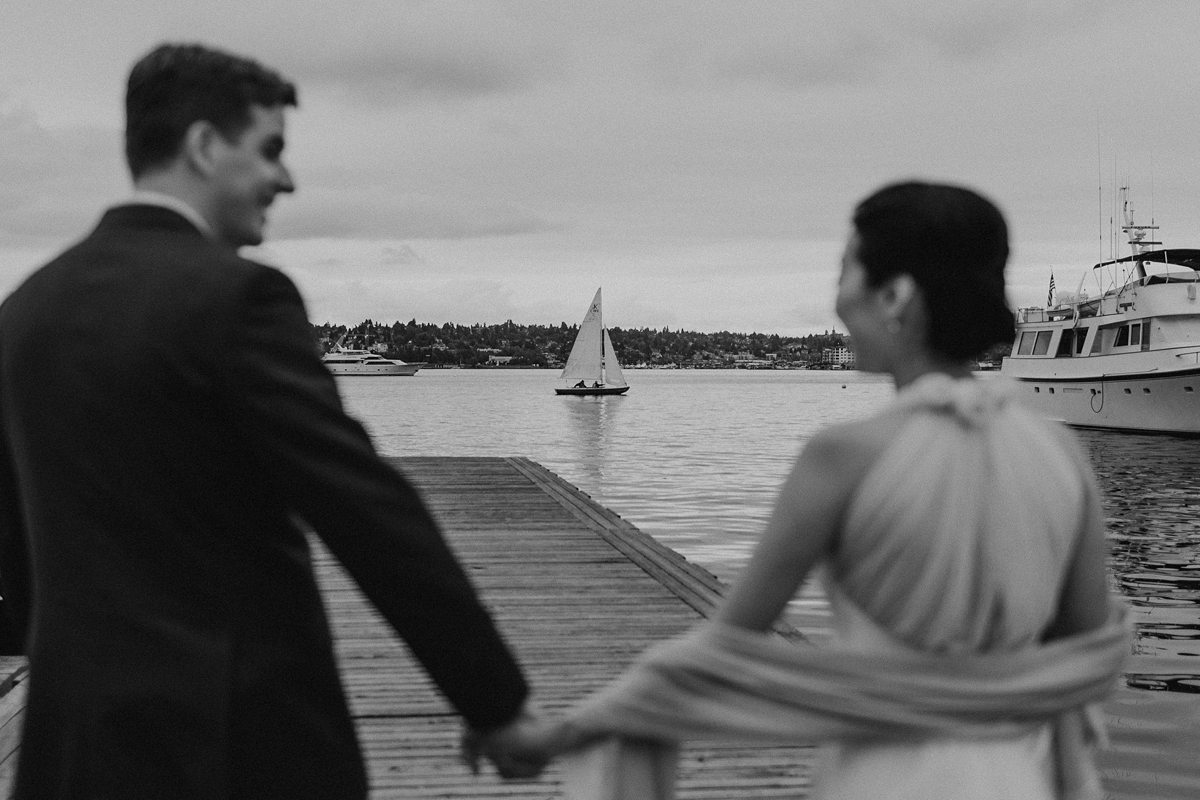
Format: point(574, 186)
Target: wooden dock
point(579, 593)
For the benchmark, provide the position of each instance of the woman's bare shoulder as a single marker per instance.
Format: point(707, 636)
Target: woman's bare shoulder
point(851, 448)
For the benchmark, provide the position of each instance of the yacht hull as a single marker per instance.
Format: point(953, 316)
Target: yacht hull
point(395, 370)
point(1147, 403)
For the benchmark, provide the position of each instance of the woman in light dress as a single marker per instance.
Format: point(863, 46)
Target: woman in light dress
point(961, 544)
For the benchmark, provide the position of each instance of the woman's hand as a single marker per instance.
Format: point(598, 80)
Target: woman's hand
point(521, 749)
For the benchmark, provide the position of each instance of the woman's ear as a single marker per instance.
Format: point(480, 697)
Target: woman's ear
point(897, 295)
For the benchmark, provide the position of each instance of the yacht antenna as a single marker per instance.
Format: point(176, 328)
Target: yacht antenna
point(1112, 214)
point(1138, 243)
point(1099, 186)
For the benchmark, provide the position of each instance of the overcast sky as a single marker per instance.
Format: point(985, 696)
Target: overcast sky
point(484, 161)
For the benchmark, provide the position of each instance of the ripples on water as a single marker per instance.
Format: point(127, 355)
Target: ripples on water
point(695, 457)
point(1152, 502)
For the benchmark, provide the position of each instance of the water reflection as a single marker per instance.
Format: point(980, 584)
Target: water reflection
point(1151, 488)
point(589, 428)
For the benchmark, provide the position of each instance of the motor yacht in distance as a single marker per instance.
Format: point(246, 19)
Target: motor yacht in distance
point(343, 361)
point(1128, 359)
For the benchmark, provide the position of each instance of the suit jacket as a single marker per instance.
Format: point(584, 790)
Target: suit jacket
point(164, 419)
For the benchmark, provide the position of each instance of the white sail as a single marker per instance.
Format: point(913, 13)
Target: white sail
point(610, 366)
point(586, 362)
point(592, 367)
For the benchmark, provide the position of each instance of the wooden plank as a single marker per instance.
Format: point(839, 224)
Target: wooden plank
point(696, 586)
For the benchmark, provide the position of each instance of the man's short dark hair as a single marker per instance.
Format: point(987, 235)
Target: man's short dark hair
point(175, 85)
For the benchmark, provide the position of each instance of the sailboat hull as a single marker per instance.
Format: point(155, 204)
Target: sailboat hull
point(591, 390)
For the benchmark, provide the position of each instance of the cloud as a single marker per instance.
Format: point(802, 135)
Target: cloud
point(419, 73)
point(323, 212)
point(812, 46)
point(55, 182)
point(421, 52)
point(788, 68)
point(401, 255)
point(972, 30)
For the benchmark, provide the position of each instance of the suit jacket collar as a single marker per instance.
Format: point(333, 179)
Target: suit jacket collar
point(148, 217)
point(149, 198)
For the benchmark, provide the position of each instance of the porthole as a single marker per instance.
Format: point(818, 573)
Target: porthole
point(1145, 390)
point(1037, 389)
point(1188, 389)
point(1051, 390)
point(1129, 391)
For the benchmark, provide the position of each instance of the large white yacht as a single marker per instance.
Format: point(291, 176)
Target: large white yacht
point(1128, 359)
point(343, 361)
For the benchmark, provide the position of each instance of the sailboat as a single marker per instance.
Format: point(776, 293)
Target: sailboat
point(592, 368)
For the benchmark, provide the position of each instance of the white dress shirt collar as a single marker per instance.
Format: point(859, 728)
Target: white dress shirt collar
point(147, 198)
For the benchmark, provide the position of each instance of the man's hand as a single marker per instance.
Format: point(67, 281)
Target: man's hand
point(518, 750)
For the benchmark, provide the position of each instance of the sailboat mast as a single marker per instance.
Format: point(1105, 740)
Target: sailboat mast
point(600, 319)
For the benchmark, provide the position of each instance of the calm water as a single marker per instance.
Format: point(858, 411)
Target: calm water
point(695, 457)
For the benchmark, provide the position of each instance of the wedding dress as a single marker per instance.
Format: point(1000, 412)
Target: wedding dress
point(956, 542)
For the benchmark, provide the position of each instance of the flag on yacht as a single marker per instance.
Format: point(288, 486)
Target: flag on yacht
point(1050, 293)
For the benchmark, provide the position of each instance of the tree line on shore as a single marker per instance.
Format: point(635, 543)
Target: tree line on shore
point(451, 344)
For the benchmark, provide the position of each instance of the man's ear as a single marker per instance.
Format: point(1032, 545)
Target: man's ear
point(199, 146)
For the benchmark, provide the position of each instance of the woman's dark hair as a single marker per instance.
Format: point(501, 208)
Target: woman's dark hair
point(175, 85)
point(954, 243)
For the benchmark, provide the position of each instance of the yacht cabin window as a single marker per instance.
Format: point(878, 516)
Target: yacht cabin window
point(1025, 343)
point(1066, 343)
point(1034, 343)
point(1071, 343)
point(1129, 335)
point(1042, 345)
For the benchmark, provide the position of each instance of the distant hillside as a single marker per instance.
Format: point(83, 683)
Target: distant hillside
point(548, 345)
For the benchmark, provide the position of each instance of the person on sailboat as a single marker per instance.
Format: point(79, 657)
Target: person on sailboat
point(974, 628)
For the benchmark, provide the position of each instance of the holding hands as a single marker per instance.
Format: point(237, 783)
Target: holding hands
point(521, 749)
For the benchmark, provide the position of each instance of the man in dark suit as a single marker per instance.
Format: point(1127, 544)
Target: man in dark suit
point(164, 421)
